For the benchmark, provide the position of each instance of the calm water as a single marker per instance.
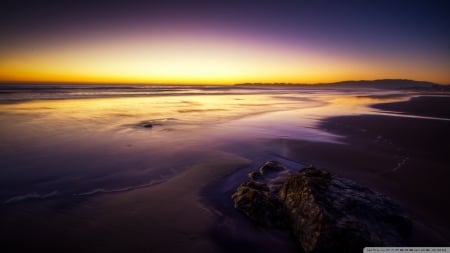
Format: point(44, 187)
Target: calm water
point(73, 141)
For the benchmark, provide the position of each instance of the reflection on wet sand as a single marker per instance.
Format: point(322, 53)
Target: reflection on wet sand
point(73, 139)
point(93, 165)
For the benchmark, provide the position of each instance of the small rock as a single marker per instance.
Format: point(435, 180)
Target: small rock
point(271, 167)
point(148, 125)
point(255, 175)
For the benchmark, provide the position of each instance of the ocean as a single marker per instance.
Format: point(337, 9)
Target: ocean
point(72, 141)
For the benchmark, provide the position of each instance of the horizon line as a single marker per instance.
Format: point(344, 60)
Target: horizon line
point(211, 84)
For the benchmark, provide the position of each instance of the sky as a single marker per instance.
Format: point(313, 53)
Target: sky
point(223, 42)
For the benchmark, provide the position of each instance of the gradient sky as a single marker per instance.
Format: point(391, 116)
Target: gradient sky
point(223, 42)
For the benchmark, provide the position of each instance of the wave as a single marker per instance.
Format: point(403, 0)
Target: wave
point(56, 193)
point(24, 92)
point(32, 196)
point(123, 189)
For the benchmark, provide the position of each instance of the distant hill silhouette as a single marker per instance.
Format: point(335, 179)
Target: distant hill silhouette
point(380, 84)
point(387, 84)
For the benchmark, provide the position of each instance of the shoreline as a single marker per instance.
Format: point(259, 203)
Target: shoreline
point(428, 106)
point(376, 155)
point(404, 158)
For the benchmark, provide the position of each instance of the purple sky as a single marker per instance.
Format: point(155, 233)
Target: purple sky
point(224, 41)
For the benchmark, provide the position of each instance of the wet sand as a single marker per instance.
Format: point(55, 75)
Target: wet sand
point(431, 106)
point(405, 158)
point(163, 218)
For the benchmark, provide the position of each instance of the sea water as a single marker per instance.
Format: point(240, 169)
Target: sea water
point(72, 141)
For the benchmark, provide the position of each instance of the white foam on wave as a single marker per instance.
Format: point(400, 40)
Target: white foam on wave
point(30, 196)
point(405, 115)
point(38, 196)
point(400, 164)
point(123, 189)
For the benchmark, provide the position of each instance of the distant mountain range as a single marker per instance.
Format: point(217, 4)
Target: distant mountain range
point(380, 84)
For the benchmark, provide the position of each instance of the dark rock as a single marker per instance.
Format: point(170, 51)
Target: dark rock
point(325, 213)
point(258, 197)
point(148, 125)
point(271, 167)
point(255, 175)
point(261, 206)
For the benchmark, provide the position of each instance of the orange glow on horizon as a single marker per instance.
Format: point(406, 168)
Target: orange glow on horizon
point(185, 60)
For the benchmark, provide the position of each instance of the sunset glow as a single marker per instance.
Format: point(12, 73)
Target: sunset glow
point(187, 47)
